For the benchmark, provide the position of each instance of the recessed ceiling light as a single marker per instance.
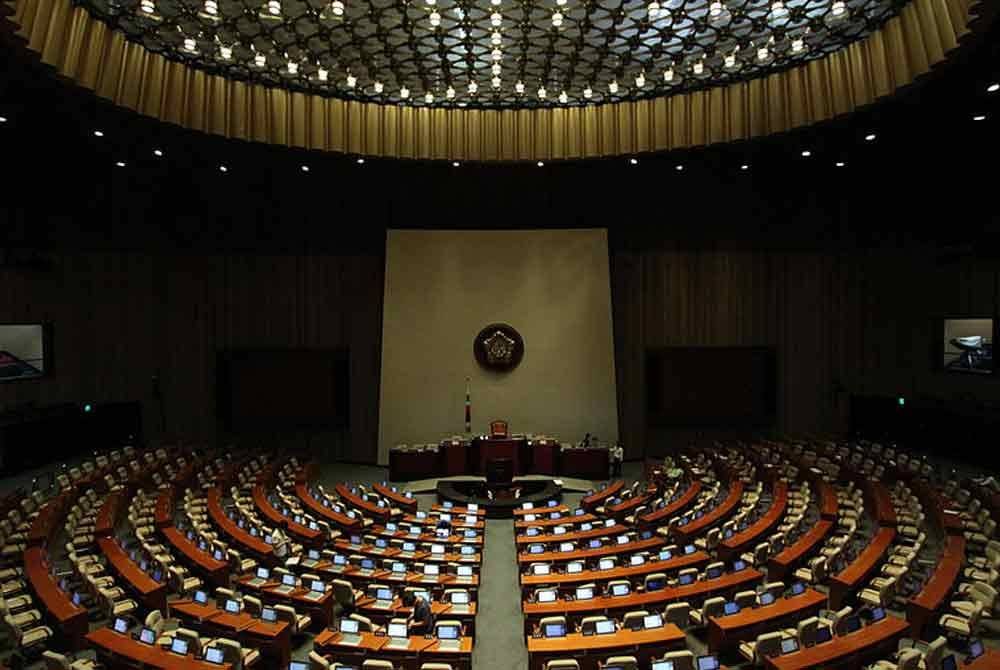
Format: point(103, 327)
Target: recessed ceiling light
point(305, 168)
point(870, 137)
point(993, 88)
point(840, 164)
point(979, 117)
point(3, 119)
point(744, 167)
point(157, 153)
point(679, 168)
point(541, 163)
point(361, 161)
point(223, 168)
point(633, 161)
point(807, 153)
point(455, 164)
point(120, 163)
point(98, 133)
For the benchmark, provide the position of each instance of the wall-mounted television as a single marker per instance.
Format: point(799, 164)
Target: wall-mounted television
point(25, 351)
point(964, 344)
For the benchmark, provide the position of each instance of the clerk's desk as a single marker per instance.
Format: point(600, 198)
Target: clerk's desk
point(565, 580)
point(589, 650)
point(273, 639)
point(726, 632)
point(119, 650)
point(846, 651)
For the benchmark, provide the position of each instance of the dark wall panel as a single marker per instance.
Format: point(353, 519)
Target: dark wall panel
point(121, 318)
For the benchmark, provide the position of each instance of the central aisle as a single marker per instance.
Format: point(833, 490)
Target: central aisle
point(500, 642)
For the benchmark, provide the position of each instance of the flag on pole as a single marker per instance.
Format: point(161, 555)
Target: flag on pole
point(468, 406)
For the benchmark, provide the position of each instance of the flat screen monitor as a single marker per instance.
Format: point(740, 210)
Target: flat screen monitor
point(713, 573)
point(76, 599)
point(269, 614)
point(147, 636)
point(789, 645)
point(622, 539)
point(448, 632)
point(546, 596)
point(619, 589)
point(665, 555)
point(431, 569)
point(689, 548)
point(540, 569)
point(949, 662)
point(179, 646)
point(530, 517)
point(798, 588)
point(536, 549)
point(606, 564)
point(25, 351)
point(397, 630)
point(605, 627)
point(468, 550)
point(555, 515)
point(766, 598)
point(685, 579)
point(232, 606)
point(121, 626)
point(447, 504)
point(730, 608)
point(213, 655)
point(565, 547)
point(200, 597)
point(637, 559)
point(574, 567)
point(313, 554)
point(437, 549)
point(460, 598)
point(444, 516)
point(852, 624)
point(409, 546)
point(555, 630)
point(263, 573)
point(464, 571)
point(288, 580)
point(662, 665)
point(823, 634)
point(300, 665)
point(383, 594)
point(878, 614)
point(381, 543)
point(349, 626)
point(975, 649)
point(532, 532)
point(527, 505)
point(965, 345)
point(472, 507)
point(739, 565)
point(585, 593)
point(594, 543)
point(559, 530)
point(708, 663)
point(652, 621)
point(316, 586)
point(469, 533)
point(654, 584)
point(339, 559)
point(367, 563)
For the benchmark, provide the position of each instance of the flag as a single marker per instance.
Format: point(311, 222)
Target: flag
point(468, 406)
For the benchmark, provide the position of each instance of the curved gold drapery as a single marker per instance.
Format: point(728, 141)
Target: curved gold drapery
point(92, 55)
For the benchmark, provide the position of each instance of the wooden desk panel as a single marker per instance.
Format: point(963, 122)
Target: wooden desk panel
point(320, 610)
point(566, 580)
point(623, 508)
point(368, 508)
point(687, 532)
point(846, 651)
point(214, 571)
point(398, 499)
point(520, 526)
point(255, 545)
point(727, 632)
point(921, 608)
point(303, 534)
point(441, 610)
point(372, 551)
point(828, 503)
point(881, 500)
point(429, 538)
point(760, 528)
point(562, 509)
point(148, 591)
point(118, 650)
point(990, 660)
point(273, 639)
point(858, 572)
point(343, 521)
point(551, 538)
point(673, 507)
point(69, 620)
point(782, 565)
point(597, 498)
point(104, 524)
point(587, 554)
point(591, 649)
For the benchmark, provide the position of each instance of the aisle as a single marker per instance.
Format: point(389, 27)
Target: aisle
point(500, 644)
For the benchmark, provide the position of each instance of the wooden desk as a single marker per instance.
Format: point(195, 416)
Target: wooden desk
point(441, 610)
point(586, 554)
point(122, 651)
point(368, 508)
point(484, 449)
point(164, 514)
point(598, 498)
point(260, 549)
point(372, 551)
point(543, 513)
point(420, 651)
point(921, 608)
point(990, 660)
point(623, 508)
point(215, 572)
point(881, 500)
point(935, 505)
point(48, 518)
point(544, 523)
point(151, 593)
point(273, 639)
point(846, 651)
point(761, 527)
point(858, 572)
point(567, 580)
point(552, 538)
point(458, 511)
point(726, 632)
point(591, 649)
point(303, 534)
point(427, 538)
point(69, 620)
point(673, 507)
point(687, 532)
point(104, 524)
point(343, 521)
point(782, 565)
point(590, 463)
point(320, 610)
point(828, 503)
point(397, 498)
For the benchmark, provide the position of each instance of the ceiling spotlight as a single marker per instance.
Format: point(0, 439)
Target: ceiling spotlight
point(223, 168)
point(838, 8)
point(147, 7)
point(668, 74)
point(293, 67)
point(640, 80)
point(377, 86)
point(98, 133)
point(404, 93)
point(557, 19)
point(496, 69)
point(744, 167)
point(157, 153)
point(455, 164)
point(715, 9)
point(613, 86)
point(226, 53)
point(212, 7)
point(430, 3)
point(120, 163)
point(541, 163)
point(361, 161)
point(979, 117)
point(519, 87)
point(337, 7)
point(653, 10)
point(435, 19)
point(190, 44)
point(473, 87)
point(305, 168)
point(321, 74)
point(993, 88)
point(495, 3)
point(274, 7)
point(633, 161)
point(699, 67)
point(428, 97)
point(679, 168)
point(542, 92)
point(806, 153)
point(260, 60)
point(3, 119)
point(561, 3)
point(449, 93)
point(563, 98)
point(496, 18)
point(798, 45)
point(496, 39)
point(495, 82)
point(870, 137)
point(352, 81)
point(840, 164)
point(730, 60)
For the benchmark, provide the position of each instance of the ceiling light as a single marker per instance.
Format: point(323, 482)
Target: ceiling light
point(430, 3)
point(806, 153)
point(473, 87)
point(979, 117)
point(273, 7)
point(361, 161)
point(377, 86)
point(190, 44)
point(840, 164)
point(495, 82)
point(653, 10)
point(226, 53)
point(157, 153)
point(497, 55)
point(404, 93)
point(293, 67)
point(519, 87)
point(744, 167)
point(496, 39)
point(260, 60)
point(305, 168)
point(352, 81)
point(212, 7)
point(798, 45)
point(322, 74)
point(715, 9)
point(679, 168)
point(698, 67)
point(838, 8)
point(223, 168)
point(993, 88)
point(588, 92)
point(98, 133)
point(563, 98)
point(633, 161)
point(428, 97)
point(455, 164)
point(613, 86)
point(870, 137)
point(640, 80)
point(496, 69)
point(763, 54)
point(3, 119)
point(495, 3)
point(435, 19)
point(668, 74)
point(541, 92)
point(557, 19)
point(496, 18)
point(120, 163)
point(541, 163)
point(337, 7)
point(147, 7)
point(731, 60)
point(561, 3)
point(449, 93)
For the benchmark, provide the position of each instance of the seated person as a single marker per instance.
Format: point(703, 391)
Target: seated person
point(421, 620)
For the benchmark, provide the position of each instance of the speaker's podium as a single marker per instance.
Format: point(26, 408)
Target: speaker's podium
point(499, 471)
point(499, 445)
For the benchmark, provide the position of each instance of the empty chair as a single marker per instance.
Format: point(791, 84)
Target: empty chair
point(318, 662)
point(589, 623)
point(234, 653)
point(815, 572)
point(299, 622)
point(55, 661)
point(972, 593)
point(962, 626)
point(681, 660)
point(345, 594)
point(745, 599)
point(678, 614)
point(563, 664)
point(880, 592)
point(906, 659)
point(711, 607)
point(623, 662)
point(768, 644)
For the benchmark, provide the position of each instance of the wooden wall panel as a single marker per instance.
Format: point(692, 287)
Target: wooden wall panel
point(120, 318)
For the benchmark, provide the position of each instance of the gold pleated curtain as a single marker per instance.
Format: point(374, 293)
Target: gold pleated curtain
point(89, 53)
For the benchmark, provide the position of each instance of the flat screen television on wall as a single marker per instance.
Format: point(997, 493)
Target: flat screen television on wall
point(284, 388)
point(964, 345)
point(25, 351)
point(723, 387)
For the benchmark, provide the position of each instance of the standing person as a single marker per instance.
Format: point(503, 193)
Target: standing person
point(421, 621)
point(617, 454)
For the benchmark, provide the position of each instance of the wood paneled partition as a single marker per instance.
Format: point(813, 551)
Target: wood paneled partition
point(121, 318)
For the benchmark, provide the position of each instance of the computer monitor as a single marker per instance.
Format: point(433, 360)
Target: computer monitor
point(789, 645)
point(555, 630)
point(213, 655)
point(620, 589)
point(298, 665)
point(585, 593)
point(460, 598)
point(179, 646)
point(313, 554)
point(532, 532)
point(713, 573)
point(707, 663)
point(339, 559)
point(605, 627)
point(622, 539)
point(472, 507)
point(368, 563)
point(823, 634)
point(409, 546)
point(540, 569)
point(654, 584)
point(147, 636)
point(253, 531)
point(469, 533)
point(397, 630)
point(536, 548)
point(730, 608)
point(444, 517)
point(527, 505)
point(467, 550)
point(559, 530)
point(449, 632)
point(949, 662)
point(355, 539)
point(546, 596)
point(317, 586)
point(398, 568)
point(158, 575)
point(76, 599)
point(349, 626)
point(566, 547)
point(594, 543)
point(421, 515)
point(574, 567)
point(464, 571)
point(447, 504)
point(662, 665)
point(381, 542)
point(200, 597)
point(383, 594)
point(288, 580)
point(739, 565)
point(263, 573)
point(665, 555)
point(269, 614)
point(878, 613)
point(121, 626)
point(605, 564)
point(637, 559)
point(232, 606)
point(530, 517)
point(585, 526)
point(579, 511)
point(685, 579)
point(609, 523)
point(268, 539)
point(432, 569)
point(975, 649)
point(852, 623)
point(652, 621)
point(689, 548)
point(798, 588)
point(437, 549)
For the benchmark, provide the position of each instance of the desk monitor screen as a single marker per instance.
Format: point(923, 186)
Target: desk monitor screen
point(179, 646)
point(566, 547)
point(739, 565)
point(637, 559)
point(665, 555)
point(409, 546)
point(448, 632)
point(269, 615)
point(339, 559)
point(437, 549)
point(606, 564)
point(268, 539)
point(431, 569)
point(645, 535)
point(355, 539)
point(605, 627)
point(766, 598)
point(713, 573)
point(232, 606)
point(546, 596)
point(685, 579)
point(789, 645)
point(444, 516)
point(381, 543)
point(536, 549)
point(253, 532)
point(975, 649)
point(585, 526)
point(317, 586)
point(689, 548)
point(619, 589)
point(380, 503)
point(949, 662)
point(447, 504)
point(853, 624)
point(200, 597)
point(421, 515)
point(76, 599)
point(469, 533)
point(823, 634)
point(464, 571)
point(585, 593)
point(472, 507)
point(121, 626)
point(652, 621)
point(349, 626)
point(218, 555)
point(213, 655)
point(158, 576)
point(552, 503)
point(528, 505)
point(460, 598)
point(609, 523)
point(662, 665)
point(530, 517)
point(313, 554)
point(555, 630)
point(559, 530)
point(555, 515)
point(288, 580)
point(367, 563)
point(471, 518)
point(263, 573)
point(540, 569)
point(708, 663)
point(798, 588)
point(397, 630)
point(391, 526)
point(730, 608)
point(878, 614)
point(574, 567)
point(532, 532)
point(594, 543)
point(147, 636)
point(579, 511)
point(383, 594)
point(654, 584)
point(468, 550)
